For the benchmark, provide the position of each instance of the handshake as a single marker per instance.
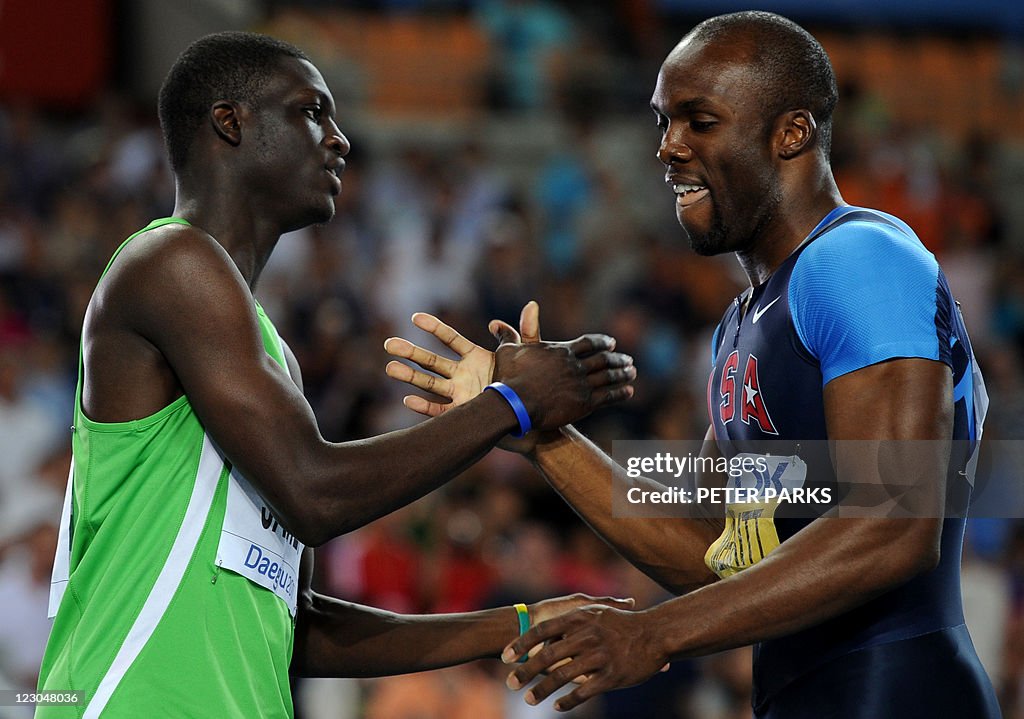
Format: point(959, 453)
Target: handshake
point(598, 644)
point(546, 384)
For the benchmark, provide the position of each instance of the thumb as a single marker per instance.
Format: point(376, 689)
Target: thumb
point(503, 332)
point(529, 322)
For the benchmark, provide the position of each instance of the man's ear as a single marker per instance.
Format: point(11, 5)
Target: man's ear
point(226, 120)
point(795, 131)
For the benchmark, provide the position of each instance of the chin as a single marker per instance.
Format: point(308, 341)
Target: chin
point(323, 213)
point(708, 243)
point(312, 216)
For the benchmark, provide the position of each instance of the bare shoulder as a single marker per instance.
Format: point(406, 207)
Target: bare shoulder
point(160, 259)
point(159, 285)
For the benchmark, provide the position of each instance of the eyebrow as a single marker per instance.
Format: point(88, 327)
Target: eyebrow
point(322, 97)
point(693, 105)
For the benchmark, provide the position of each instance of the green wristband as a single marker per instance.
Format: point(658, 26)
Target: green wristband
point(524, 624)
point(524, 618)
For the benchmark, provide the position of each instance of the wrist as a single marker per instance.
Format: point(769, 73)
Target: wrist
point(515, 402)
point(522, 622)
point(653, 635)
point(522, 618)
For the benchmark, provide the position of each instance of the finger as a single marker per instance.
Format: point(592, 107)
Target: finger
point(534, 651)
point(577, 696)
point(549, 661)
point(604, 360)
point(612, 377)
point(426, 359)
point(430, 382)
point(588, 344)
point(446, 333)
point(610, 395)
point(529, 322)
point(617, 602)
point(425, 406)
point(566, 673)
point(503, 332)
point(538, 634)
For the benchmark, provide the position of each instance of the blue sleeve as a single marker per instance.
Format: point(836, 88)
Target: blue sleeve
point(864, 293)
point(714, 344)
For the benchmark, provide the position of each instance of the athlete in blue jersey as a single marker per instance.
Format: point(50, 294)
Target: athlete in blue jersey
point(848, 332)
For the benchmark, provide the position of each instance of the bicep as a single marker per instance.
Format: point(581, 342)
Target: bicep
point(900, 399)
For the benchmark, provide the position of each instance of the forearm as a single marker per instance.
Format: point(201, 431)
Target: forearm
point(334, 638)
point(349, 485)
point(669, 550)
point(830, 567)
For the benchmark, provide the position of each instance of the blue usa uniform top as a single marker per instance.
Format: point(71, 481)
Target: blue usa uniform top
point(860, 290)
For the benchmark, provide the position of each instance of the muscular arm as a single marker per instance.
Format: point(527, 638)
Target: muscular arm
point(669, 550)
point(334, 638)
point(833, 564)
point(174, 316)
point(829, 567)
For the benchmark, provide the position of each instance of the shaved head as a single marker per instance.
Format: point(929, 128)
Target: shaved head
point(792, 69)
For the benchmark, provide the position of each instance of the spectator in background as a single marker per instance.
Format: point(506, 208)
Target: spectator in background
point(28, 539)
point(529, 39)
point(28, 432)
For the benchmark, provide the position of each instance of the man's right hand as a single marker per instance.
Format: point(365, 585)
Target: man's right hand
point(561, 382)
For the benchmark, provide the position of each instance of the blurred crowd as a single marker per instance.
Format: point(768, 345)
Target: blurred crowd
point(447, 227)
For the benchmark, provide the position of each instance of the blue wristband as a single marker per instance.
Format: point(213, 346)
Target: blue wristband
point(517, 406)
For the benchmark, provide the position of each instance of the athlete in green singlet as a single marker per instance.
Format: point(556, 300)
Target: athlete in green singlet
point(182, 583)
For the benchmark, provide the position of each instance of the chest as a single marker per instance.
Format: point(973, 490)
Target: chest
point(764, 383)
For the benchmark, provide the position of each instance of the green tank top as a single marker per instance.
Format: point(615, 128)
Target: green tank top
point(174, 588)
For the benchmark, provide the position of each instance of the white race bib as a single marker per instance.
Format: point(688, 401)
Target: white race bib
point(255, 545)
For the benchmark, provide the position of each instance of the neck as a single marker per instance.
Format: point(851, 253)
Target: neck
point(798, 213)
point(248, 237)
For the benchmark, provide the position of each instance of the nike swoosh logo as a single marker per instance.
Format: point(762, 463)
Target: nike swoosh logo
point(761, 310)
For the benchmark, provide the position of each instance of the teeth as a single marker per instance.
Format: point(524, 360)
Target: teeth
point(681, 189)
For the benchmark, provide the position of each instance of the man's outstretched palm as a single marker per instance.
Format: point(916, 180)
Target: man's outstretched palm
point(453, 381)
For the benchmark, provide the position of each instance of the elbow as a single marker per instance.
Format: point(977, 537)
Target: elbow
point(314, 537)
point(315, 530)
point(322, 521)
point(312, 517)
point(307, 524)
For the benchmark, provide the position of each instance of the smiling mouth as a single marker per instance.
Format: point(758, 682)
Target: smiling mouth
point(687, 195)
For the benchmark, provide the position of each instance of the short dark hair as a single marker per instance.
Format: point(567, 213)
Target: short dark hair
point(793, 68)
point(222, 66)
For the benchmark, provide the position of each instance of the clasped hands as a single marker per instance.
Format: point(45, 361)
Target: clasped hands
point(598, 647)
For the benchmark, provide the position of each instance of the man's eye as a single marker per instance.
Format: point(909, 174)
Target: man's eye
point(314, 113)
point(701, 125)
